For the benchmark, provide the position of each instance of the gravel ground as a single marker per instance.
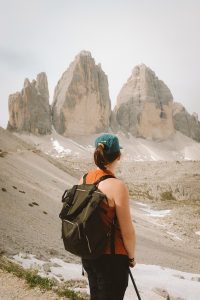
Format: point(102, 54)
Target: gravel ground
point(12, 288)
point(31, 187)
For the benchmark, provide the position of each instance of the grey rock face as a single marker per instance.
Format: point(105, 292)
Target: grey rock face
point(29, 110)
point(113, 122)
point(144, 106)
point(81, 103)
point(186, 123)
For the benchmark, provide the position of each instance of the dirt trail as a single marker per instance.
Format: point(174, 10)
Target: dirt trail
point(12, 288)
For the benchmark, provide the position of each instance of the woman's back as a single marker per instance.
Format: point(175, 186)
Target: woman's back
point(106, 186)
point(109, 209)
point(108, 274)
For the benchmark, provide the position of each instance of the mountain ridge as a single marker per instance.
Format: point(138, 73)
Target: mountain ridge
point(144, 107)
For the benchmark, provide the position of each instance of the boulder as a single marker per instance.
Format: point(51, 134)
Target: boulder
point(81, 102)
point(29, 110)
point(144, 106)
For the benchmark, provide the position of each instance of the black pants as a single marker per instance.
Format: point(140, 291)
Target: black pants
point(108, 276)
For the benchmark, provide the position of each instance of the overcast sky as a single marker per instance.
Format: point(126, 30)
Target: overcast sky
point(46, 35)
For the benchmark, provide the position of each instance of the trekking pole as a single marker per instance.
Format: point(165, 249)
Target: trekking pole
point(134, 284)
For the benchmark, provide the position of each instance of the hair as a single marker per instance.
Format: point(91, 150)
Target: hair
point(102, 159)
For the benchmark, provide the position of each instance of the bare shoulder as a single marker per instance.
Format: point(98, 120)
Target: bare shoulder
point(119, 185)
point(113, 187)
point(120, 194)
point(81, 180)
point(118, 182)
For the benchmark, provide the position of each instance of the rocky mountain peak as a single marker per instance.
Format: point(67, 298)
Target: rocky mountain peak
point(144, 105)
point(85, 53)
point(82, 106)
point(143, 85)
point(195, 115)
point(81, 100)
point(42, 85)
point(186, 123)
point(29, 110)
point(26, 82)
point(141, 68)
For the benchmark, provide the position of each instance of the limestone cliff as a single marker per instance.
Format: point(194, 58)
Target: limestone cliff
point(81, 103)
point(144, 106)
point(186, 123)
point(29, 110)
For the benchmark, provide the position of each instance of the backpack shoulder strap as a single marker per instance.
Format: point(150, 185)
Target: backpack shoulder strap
point(98, 180)
point(84, 178)
point(103, 178)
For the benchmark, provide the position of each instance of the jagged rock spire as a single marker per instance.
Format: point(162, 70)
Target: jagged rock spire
point(29, 110)
point(81, 103)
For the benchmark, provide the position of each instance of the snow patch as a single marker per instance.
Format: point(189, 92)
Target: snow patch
point(148, 278)
point(174, 235)
point(178, 147)
point(197, 232)
point(141, 204)
point(57, 267)
point(60, 149)
point(28, 261)
point(153, 213)
point(156, 213)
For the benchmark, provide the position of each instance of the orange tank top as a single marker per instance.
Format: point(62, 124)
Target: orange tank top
point(108, 215)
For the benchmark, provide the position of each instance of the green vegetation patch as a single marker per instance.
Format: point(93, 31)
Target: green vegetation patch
point(197, 213)
point(167, 196)
point(45, 284)
point(136, 193)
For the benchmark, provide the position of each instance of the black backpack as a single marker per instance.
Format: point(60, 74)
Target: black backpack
point(83, 231)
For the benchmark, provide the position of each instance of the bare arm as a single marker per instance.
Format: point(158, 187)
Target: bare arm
point(121, 198)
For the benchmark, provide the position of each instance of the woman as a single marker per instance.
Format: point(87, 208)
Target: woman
point(108, 274)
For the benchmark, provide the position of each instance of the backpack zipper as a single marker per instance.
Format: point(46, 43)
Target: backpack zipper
point(78, 231)
point(88, 244)
point(68, 221)
point(76, 225)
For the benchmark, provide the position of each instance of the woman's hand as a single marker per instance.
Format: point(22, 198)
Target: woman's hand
point(132, 262)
